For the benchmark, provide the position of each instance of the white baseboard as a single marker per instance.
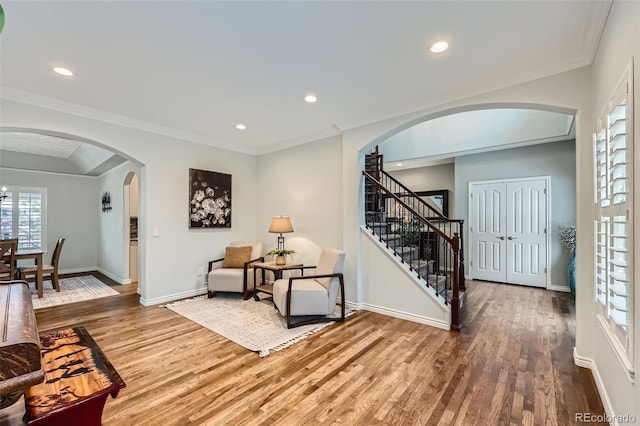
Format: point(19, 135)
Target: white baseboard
point(172, 297)
point(95, 268)
point(584, 362)
point(562, 288)
point(114, 277)
point(77, 270)
point(406, 316)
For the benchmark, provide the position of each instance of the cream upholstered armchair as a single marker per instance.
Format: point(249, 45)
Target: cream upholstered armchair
point(234, 272)
point(313, 295)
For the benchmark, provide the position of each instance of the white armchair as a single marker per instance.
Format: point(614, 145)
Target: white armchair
point(234, 272)
point(313, 295)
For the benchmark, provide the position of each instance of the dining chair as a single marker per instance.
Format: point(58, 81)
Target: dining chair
point(7, 258)
point(51, 269)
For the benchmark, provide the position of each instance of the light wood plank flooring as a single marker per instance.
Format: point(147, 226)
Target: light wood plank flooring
point(511, 365)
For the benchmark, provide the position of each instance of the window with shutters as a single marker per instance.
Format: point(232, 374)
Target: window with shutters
point(23, 216)
point(613, 224)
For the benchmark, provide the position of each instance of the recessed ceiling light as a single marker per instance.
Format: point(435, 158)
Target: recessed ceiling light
point(439, 46)
point(398, 164)
point(240, 126)
point(310, 98)
point(63, 71)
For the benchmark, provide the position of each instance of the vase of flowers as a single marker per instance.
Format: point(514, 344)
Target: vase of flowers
point(568, 243)
point(281, 255)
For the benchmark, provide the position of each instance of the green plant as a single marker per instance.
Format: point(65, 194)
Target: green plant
point(410, 231)
point(281, 252)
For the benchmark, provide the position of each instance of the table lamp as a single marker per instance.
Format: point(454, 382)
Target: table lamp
point(281, 225)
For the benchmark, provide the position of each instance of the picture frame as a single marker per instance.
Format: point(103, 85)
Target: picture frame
point(209, 199)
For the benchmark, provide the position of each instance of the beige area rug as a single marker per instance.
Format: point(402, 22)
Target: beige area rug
point(74, 289)
point(257, 326)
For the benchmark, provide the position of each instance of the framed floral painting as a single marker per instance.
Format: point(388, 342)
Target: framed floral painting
point(209, 199)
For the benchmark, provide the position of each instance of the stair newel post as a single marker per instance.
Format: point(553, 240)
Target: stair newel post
point(462, 273)
point(455, 297)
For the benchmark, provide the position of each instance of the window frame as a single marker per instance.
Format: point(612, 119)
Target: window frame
point(15, 192)
point(614, 230)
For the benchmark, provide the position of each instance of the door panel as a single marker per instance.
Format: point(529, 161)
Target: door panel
point(488, 219)
point(526, 232)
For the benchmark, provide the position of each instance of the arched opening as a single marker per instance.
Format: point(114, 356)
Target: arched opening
point(95, 231)
point(510, 147)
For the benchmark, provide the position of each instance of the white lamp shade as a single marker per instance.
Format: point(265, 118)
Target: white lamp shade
point(280, 225)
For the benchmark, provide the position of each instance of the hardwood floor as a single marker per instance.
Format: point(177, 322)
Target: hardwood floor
point(511, 364)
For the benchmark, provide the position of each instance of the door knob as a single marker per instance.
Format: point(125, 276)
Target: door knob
point(500, 238)
point(510, 238)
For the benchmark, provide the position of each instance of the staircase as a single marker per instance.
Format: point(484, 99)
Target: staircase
point(417, 234)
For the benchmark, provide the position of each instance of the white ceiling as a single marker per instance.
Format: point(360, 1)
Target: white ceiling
point(196, 68)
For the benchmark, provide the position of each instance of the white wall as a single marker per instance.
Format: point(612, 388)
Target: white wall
point(392, 291)
point(73, 203)
point(620, 41)
point(172, 259)
point(304, 183)
point(557, 159)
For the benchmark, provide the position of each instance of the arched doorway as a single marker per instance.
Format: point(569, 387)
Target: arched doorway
point(94, 171)
point(431, 140)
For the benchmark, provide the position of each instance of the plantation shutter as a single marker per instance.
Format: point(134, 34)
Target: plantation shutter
point(23, 216)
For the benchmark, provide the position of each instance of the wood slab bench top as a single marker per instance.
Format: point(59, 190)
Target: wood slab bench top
point(20, 366)
point(78, 379)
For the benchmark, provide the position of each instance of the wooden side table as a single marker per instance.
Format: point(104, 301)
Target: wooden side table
point(277, 274)
point(78, 380)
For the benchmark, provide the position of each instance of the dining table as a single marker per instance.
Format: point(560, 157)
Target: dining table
point(36, 255)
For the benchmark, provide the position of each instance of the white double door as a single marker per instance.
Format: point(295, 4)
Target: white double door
point(508, 231)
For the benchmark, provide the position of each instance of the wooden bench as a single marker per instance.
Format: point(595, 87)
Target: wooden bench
point(20, 365)
point(78, 380)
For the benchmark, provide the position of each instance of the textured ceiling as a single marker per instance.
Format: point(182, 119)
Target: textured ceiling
point(36, 143)
point(194, 69)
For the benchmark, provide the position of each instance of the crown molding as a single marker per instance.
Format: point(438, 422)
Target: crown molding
point(594, 27)
point(57, 105)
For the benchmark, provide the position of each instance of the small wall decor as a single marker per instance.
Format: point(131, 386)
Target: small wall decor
point(209, 199)
point(106, 201)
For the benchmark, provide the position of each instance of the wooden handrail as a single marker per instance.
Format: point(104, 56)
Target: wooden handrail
point(406, 206)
